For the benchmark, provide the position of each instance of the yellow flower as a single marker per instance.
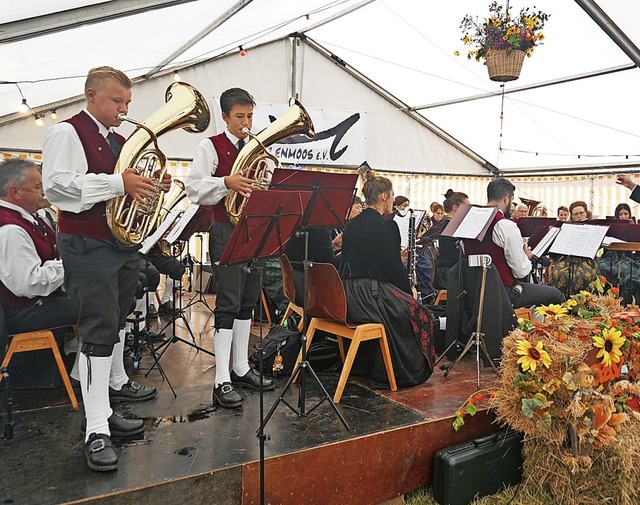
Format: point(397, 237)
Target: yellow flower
point(456, 53)
point(531, 357)
point(609, 344)
point(570, 303)
point(552, 311)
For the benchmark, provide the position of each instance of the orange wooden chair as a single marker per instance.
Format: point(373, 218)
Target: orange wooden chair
point(34, 341)
point(289, 290)
point(327, 309)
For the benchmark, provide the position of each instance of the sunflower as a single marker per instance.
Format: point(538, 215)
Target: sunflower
point(609, 344)
point(552, 311)
point(530, 356)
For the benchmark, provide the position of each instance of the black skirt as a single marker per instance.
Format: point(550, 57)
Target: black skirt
point(409, 329)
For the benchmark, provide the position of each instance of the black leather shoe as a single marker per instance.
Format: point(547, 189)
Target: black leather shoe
point(225, 396)
point(166, 308)
point(132, 392)
point(251, 380)
point(100, 454)
point(120, 426)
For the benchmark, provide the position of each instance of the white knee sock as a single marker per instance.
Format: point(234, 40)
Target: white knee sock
point(75, 371)
point(94, 381)
point(169, 286)
point(240, 346)
point(118, 376)
point(222, 347)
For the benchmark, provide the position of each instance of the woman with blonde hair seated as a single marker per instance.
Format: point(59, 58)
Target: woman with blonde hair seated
point(378, 291)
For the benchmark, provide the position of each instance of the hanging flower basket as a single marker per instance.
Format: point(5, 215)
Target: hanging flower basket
point(504, 65)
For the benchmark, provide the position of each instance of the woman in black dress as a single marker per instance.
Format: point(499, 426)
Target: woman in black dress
point(378, 291)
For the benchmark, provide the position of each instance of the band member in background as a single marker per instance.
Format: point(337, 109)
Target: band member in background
point(378, 290)
point(101, 275)
point(563, 213)
point(512, 258)
point(208, 182)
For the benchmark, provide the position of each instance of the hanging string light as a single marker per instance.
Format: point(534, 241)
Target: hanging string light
point(24, 106)
point(54, 115)
point(38, 119)
point(176, 76)
point(242, 51)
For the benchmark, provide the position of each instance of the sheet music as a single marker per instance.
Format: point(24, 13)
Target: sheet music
point(546, 241)
point(474, 222)
point(403, 224)
point(612, 240)
point(152, 239)
point(184, 221)
point(582, 240)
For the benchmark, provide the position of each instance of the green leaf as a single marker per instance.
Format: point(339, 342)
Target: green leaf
point(530, 405)
point(471, 409)
point(585, 314)
point(458, 422)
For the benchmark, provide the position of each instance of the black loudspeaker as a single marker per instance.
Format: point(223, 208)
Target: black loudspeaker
point(477, 468)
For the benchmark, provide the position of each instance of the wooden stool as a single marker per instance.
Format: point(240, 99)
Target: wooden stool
point(442, 297)
point(35, 341)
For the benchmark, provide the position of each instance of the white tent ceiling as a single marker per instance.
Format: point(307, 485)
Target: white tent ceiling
point(405, 46)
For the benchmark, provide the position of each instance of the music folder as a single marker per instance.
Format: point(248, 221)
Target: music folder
point(470, 222)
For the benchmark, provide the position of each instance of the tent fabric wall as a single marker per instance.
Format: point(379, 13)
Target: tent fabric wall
point(395, 141)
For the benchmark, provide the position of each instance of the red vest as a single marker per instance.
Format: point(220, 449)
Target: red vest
point(45, 245)
point(488, 246)
point(227, 154)
point(100, 160)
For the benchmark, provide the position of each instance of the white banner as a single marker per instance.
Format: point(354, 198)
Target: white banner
point(340, 137)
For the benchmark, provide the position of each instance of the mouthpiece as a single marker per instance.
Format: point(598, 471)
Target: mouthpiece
point(122, 117)
point(245, 130)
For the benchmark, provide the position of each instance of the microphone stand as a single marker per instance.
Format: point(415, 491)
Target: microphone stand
point(9, 424)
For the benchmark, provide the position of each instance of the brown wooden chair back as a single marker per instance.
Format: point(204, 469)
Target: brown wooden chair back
point(326, 298)
point(288, 286)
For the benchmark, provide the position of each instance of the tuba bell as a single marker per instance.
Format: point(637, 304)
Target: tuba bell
point(252, 159)
point(132, 221)
point(534, 209)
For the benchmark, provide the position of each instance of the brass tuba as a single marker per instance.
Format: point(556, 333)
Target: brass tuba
point(132, 221)
point(252, 160)
point(534, 209)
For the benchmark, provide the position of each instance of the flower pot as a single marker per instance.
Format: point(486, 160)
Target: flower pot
point(504, 65)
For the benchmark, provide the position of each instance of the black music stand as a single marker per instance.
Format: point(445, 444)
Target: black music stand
point(265, 226)
point(332, 195)
point(178, 314)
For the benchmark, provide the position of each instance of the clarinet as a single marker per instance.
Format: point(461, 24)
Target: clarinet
point(411, 259)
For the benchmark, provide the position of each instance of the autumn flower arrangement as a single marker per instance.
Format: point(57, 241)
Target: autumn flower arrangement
point(568, 383)
point(502, 31)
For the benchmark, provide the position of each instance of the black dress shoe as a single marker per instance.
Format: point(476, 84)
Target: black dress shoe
point(132, 392)
point(100, 454)
point(120, 426)
point(167, 308)
point(251, 380)
point(225, 396)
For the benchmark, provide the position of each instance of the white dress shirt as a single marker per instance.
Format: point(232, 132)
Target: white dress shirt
point(21, 269)
point(506, 235)
point(65, 177)
point(202, 186)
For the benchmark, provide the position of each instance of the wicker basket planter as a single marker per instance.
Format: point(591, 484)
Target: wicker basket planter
point(504, 65)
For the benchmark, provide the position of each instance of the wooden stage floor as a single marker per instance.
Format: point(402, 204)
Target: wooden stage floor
point(192, 452)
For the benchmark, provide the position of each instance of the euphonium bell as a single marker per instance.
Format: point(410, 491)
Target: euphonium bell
point(132, 221)
point(252, 160)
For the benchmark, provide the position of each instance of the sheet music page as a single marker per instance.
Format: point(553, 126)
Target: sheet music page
point(582, 240)
point(152, 239)
point(474, 222)
point(403, 225)
point(184, 221)
point(544, 244)
point(612, 240)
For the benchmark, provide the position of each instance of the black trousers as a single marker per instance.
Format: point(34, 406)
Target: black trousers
point(55, 310)
point(237, 289)
point(101, 278)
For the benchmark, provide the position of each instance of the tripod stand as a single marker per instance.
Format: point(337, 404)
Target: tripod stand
point(477, 337)
point(178, 314)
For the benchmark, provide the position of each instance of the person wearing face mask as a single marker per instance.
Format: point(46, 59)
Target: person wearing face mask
point(101, 274)
point(378, 290)
point(237, 290)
